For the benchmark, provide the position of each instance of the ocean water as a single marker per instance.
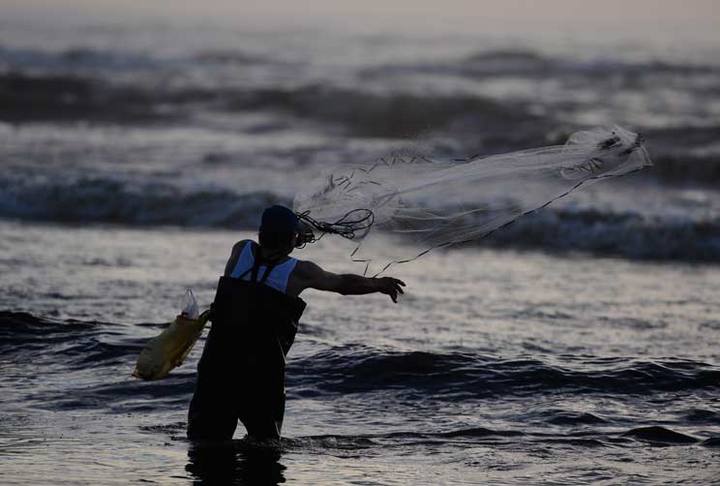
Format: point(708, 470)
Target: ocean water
point(579, 345)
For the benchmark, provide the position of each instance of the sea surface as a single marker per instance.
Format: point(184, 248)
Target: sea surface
point(579, 345)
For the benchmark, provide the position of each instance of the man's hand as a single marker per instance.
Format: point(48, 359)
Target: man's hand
point(390, 286)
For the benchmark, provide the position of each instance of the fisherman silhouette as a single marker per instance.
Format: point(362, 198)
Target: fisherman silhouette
point(241, 374)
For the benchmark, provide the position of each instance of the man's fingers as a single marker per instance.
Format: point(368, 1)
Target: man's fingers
point(393, 287)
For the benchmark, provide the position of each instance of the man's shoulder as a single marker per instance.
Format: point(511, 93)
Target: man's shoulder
point(240, 244)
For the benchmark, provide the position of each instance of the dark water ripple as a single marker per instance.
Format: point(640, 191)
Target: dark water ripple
point(642, 436)
point(471, 376)
point(80, 343)
point(347, 369)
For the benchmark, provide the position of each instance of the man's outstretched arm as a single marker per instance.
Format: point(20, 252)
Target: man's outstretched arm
point(309, 275)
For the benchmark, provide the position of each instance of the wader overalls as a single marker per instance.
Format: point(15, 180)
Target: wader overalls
point(241, 374)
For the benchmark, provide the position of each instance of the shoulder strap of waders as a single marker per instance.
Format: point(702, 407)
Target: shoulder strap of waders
point(254, 260)
point(255, 269)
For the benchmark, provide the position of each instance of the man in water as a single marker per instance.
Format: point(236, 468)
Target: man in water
point(241, 374)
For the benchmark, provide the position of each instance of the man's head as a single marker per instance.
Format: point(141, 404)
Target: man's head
point(278, 229)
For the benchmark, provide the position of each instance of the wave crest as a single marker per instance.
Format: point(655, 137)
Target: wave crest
point(97, 200)
point(464, 375)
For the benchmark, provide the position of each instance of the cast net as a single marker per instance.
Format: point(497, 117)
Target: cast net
point(431, 203)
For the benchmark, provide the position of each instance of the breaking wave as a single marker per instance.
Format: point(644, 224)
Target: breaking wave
point(95, 200)
point(629, 235)
point(362, 113)
point(107, 201)
point(529, 63)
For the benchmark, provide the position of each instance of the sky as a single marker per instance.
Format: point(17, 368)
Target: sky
point(563, 11)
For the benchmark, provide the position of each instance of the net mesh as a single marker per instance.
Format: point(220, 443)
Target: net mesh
point(434, 203)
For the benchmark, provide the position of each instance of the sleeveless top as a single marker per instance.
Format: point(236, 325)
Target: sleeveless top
point(279, 274)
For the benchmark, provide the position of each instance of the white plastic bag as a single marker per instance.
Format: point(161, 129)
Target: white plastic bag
point(189, 305)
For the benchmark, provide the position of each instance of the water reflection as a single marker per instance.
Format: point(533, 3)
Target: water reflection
point(235, 462)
